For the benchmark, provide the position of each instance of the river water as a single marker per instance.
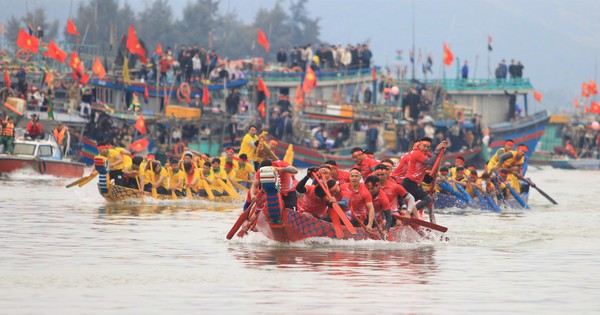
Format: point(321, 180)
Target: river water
point(66, 251)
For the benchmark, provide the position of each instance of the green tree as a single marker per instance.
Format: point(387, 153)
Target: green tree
point(198, 21)
point(275, 23)
point(35, 18)
point(304, 30)
point(156, 25)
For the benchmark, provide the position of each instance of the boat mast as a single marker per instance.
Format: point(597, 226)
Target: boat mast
point(413, 40)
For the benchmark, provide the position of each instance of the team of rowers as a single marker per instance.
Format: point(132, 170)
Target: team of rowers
point(372, 192)
point(194, 174)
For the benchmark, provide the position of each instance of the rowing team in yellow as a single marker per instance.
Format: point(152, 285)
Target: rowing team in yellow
point(506, 164)
point(194, 174)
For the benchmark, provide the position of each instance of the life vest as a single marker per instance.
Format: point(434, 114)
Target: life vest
point(60, 135)
point(8, 130)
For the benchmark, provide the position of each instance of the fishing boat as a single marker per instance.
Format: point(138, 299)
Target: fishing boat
point(286, 225)
point(42, 156)
point(116, 193)
point(586, 164)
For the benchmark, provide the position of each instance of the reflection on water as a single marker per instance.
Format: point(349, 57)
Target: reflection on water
point(414, 264)
point(144, 209)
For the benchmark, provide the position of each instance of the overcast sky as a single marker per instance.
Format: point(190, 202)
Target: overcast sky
point(558, 41)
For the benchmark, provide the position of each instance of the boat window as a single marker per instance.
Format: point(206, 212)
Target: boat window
point(23, 149)
point(45, 150)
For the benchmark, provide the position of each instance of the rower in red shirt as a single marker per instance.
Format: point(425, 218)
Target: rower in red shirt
point(394, 191)
point(417, 168)
point(314, 200)
point(361, 202)
point(363, 163)
point(381, 204)
point(400, 172)
point(339, 175)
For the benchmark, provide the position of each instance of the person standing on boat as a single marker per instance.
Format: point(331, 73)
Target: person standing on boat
point(116, 162)
point(361, 202)
point(508, 145)
point(363, 163)
point(63, 137)
point(417, 168)
point(7, 137)
point(249, 144)
point(34, 128)
point(281, 57)
point(464, 71)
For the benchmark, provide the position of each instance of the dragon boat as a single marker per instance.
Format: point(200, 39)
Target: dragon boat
point(284, 225)
point(116, 193)
point(451, 198)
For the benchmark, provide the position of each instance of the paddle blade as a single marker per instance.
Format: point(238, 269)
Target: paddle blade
point(76, 182)
point(209, 192)
point(154, 193)
point(173, 195)
point(238, 223)
point(426, 224)
point(342, 215)
point(546, 195)
point(335, 222)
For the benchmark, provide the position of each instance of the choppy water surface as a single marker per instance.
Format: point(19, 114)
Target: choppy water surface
point(66, 251)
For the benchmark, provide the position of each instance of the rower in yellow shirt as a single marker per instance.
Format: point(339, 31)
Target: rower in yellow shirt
point(176, 177)
point(245, 171)
point(134, 174)
point(508, 145)
point(157, 177)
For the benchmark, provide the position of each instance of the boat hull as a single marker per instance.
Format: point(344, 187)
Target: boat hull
point(528, 131)
point(297, 226)
point(58, 168)
point(116, 193)
point(580, 164)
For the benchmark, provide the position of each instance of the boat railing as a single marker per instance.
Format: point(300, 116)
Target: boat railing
point(460, 84)
point(321, 75)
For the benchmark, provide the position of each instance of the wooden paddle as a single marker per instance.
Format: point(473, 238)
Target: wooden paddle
point(76, 182)
point(89, 179)
point(227, 188)
point(153, 189)
point(513, 192)
point(243, 216)
point(336, 206)
point(536, 188)
point(362, 225)
point(137, 180)
point(433, 174)
point(422, 223)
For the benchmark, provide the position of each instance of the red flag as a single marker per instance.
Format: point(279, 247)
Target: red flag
point(262, 39)
point(71, 29)
point(538, 96)
point(75, 63)
point(55, 52)
point(261, 109)
point(595, 108)
point(262, 87)
point(28, 42)
point(576, 102)
point(146, 93)
point(584, 90)
point(134, 46)
point(205, 96)
point(299, 96)
point(158, 50)
point(592, 88)
point(587, 109)
point(310, 80)
point(98, 68)
point(7, 79)
point(84, 78)
point(373, 74)
point(139, 145)
point(140, 124)
point(448, 56)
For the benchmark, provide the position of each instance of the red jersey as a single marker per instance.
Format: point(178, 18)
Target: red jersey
point(358, 199)
point(381, 203)
point(400, 172)
point(366, 167)
point(343, 177)
point(312, 204)
point(392, 191)
point(286, 179)
point(416, 168)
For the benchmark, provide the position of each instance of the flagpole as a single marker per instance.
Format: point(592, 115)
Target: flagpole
point(413, 40)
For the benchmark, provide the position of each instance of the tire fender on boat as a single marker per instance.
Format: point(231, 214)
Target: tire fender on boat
point(23, 55)
point(183, 92)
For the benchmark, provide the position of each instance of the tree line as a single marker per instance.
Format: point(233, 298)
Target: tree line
point(102, 23)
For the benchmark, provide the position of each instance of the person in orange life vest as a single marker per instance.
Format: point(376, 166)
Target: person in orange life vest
point(337, 174)
point(400, 172)
point(285, 171)
point(417, 168)
point(394, 193)
point(570, 149)
point(314, 200)
point(8, 135)
point(513, 162)
point(363, 163)
point(361, 202)
point(34, 128)
point(381, 204)
point(62, 136)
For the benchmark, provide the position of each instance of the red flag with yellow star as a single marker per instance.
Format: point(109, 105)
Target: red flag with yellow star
point(448, 55)
point(98, 68)
point(71, 29)
point(310, 80)
point(56, 53)
point(140, 124)
point(139, 145)
point(28, 42)
point(262, 87)
point(134, 46)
